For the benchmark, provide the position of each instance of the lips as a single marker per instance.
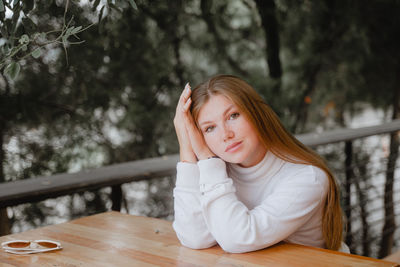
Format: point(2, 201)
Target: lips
point(233, 147)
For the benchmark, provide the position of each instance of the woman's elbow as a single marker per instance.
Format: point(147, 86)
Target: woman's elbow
point(232, 248)
point(197, 243)
point(236, 245)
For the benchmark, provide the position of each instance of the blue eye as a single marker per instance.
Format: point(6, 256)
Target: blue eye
point(234, 116)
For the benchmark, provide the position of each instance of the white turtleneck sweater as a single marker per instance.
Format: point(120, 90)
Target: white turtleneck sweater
point(246, 209)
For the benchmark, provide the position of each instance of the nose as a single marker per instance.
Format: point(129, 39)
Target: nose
point(228, 133)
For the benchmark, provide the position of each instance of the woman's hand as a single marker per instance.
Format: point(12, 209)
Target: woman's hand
point(185, 148)
point(199, 146)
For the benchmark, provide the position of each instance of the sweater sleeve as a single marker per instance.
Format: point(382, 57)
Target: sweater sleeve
point(189, 223)
point(236, 228)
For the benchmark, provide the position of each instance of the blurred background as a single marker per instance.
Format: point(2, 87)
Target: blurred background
point(85, 84)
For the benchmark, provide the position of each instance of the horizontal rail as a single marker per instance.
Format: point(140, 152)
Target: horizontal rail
point(40, 188)
point(342, 135)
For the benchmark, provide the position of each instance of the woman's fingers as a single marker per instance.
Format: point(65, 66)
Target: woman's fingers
point(199, 146)
point(185, 94)
point(183, 104)
point(185, 148)
point(184, 100)
point(187, 105)
point(181, 114)
point(187, 90)
point(190, 125)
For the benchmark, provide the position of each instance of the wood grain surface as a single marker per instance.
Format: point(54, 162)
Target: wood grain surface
point(116, 239)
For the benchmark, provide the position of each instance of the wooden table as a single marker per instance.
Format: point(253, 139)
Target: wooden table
point(115, 239)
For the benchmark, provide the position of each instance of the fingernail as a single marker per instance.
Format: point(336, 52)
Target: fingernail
point(187, 86)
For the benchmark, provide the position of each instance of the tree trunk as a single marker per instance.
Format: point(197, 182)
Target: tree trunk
point(390, 224)
point(267, 11)
point(4, 221)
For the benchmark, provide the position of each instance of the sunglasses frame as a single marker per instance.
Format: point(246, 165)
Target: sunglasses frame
point(32, 247)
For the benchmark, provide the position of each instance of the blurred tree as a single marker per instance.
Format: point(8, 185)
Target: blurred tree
point(35, 108)
point(382, 72)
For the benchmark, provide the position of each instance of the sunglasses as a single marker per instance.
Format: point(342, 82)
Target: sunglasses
point(29, 247)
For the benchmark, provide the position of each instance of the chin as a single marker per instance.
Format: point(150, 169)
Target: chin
point(232, 159)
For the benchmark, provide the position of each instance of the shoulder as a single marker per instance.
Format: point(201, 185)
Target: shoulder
point(304, 174)
point(300, 186)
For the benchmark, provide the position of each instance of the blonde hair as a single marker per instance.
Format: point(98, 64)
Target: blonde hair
point(276, 139)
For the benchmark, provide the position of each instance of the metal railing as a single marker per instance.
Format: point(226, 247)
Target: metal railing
point(369, 182)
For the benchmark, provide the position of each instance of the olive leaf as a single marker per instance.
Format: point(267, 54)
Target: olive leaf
point(24, 39)
point(12, 70)
point(36, 53)
point(133, 4)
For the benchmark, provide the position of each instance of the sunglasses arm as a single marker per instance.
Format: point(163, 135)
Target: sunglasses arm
point(30, 251)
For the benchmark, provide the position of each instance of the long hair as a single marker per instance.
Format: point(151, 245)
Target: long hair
point(276, 139)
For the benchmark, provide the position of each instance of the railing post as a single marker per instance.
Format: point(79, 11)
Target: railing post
point(361, 178)
point(116, 197)
point(4, 220)
point(390, 224)
point(347, 198)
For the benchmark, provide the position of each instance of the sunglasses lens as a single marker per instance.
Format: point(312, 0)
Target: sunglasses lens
point(47, 244)
point(18, 244)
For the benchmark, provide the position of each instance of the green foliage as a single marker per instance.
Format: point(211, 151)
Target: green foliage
point(133, 4)
point(12, 70)
point(42, 122)
point(30, 40)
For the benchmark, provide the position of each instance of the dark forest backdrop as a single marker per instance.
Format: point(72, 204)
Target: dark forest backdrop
point(112, 97)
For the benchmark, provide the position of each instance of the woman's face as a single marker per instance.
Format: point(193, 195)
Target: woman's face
point(228, 133)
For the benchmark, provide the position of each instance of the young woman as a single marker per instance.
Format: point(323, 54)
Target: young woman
point(243, 181)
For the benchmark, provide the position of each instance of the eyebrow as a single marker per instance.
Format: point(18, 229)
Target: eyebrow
point(226, 111)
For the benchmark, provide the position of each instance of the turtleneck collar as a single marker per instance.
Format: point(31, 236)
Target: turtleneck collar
point(266, 168)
